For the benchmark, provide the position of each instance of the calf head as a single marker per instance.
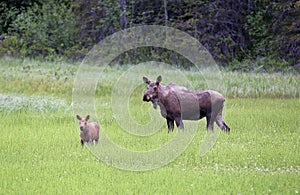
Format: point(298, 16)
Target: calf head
point(151, 94)
point(83, 122)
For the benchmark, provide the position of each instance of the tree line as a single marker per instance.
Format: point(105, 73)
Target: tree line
point(242, 34)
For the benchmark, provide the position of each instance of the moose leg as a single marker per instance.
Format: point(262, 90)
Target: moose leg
point(179, 123)
point(215, 116)
point(219, 120)
point(209, 122)
point(170, 124)
point(90, 142)
point(227, 129)
point(221, 123)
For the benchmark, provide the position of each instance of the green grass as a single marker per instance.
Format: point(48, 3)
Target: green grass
point(41, 152)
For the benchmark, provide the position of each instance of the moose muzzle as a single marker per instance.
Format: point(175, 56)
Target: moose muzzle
point(147, 98)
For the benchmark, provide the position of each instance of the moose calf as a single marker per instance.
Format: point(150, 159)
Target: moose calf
point(89, 132)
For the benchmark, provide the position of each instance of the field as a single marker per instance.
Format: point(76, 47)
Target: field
point(41, 152)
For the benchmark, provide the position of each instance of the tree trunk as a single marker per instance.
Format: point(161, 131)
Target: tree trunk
point(166, 13)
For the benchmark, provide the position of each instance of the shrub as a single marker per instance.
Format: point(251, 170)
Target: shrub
point(9, 46)
point(47, 29)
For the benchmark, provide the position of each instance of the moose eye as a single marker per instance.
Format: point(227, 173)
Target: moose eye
point(154, 88)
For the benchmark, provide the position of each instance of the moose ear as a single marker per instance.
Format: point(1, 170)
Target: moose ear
point(78, 117)
point(158, 80)
point(87, 117)
point(146, 80)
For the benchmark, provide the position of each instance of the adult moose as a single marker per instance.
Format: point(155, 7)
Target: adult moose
point(177, 103)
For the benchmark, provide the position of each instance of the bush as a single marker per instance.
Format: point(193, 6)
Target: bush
point(47, 29)
point(260, 64)
point(9, 46)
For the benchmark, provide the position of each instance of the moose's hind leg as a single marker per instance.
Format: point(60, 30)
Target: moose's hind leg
point(179, 123)
point(227, 129)
point(221, 123)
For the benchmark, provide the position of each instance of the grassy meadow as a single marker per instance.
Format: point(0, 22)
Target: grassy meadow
point(41, 152)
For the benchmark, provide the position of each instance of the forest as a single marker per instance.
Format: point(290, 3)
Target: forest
point(240, 34)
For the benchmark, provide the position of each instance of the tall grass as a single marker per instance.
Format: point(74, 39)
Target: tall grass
point(57, 78)
point(266, 85)
point(36, 77)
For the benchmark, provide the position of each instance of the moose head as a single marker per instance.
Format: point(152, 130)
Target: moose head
point(151, 94)
point(83, 122)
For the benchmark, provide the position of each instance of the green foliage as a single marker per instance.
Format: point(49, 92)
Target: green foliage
point(257, 27)
point(273, 30)
point(10, 46)
point(285, 28)
point(46, 29)
point(232, 31)
point(7, 16)
point(95, 20)
point(262, 64)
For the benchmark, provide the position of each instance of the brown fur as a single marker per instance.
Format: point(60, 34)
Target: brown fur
point(178, 103)
point(89, 132)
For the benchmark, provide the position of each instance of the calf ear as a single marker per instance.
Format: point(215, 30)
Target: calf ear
point(158, 80)
point(78, 117)
point(146, 80)
point(87, 117)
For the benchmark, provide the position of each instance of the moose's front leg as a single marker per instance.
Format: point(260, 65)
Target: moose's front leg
point(170, 124)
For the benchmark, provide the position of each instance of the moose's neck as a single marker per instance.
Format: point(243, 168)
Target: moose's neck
point(163, 92)
point(86, 129)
